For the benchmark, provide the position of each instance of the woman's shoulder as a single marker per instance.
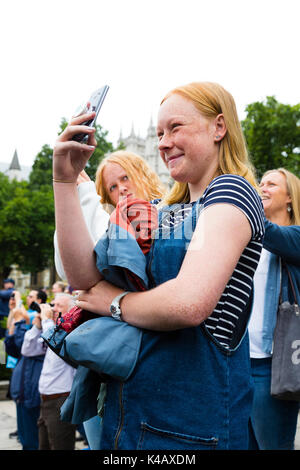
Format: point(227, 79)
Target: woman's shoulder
point(234, 185)
point(231, 180)
point(236, 190)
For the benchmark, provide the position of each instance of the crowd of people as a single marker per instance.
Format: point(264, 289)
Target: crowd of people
point(216, 271)
point(40, 381)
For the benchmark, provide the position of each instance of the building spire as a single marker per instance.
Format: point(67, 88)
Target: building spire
point(15, 165)
point(151, 129)
point(132, 134)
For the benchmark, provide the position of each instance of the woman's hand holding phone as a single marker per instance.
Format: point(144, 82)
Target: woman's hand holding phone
point(70, 156)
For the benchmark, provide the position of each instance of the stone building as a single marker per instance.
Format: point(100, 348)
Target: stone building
point(147, 148)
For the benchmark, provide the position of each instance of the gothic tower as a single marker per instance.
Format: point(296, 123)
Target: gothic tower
point(147, 148)
point(14, 171)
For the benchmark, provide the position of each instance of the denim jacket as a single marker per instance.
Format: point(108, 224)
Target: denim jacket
point(284, 244)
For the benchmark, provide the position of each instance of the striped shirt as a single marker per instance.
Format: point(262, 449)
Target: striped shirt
point(234, 190)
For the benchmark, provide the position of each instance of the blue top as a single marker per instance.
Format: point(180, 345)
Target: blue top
point(283, 242)
point(4, 299)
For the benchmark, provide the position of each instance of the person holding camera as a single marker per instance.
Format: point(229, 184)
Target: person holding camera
point(25, 376)
point(5, 294)
point(33, 301)
point(55, 381)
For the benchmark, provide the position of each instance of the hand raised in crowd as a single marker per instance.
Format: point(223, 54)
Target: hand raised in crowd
point(46, 312)
point(16, 315)
point(37, 321)
point(69, 156)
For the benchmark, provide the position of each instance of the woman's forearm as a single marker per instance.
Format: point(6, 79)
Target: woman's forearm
point(283, 241)
point(165, 308)
point(75, 243)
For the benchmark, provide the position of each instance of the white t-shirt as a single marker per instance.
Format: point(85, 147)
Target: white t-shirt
point(56, 376)
point(257, 316)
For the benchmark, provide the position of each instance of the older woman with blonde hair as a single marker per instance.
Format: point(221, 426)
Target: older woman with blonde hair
point(191, 387)
point(273, 421)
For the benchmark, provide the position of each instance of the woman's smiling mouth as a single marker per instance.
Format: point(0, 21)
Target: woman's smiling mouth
point(173, 158)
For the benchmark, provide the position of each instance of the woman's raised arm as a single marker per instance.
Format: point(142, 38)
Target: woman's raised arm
point(74, 241)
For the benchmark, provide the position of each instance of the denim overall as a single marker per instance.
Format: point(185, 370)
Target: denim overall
point(186, 392)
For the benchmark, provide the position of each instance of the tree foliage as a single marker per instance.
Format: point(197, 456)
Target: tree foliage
point(26, 226)
point(41, 172)
point(272, 132)
point(27, 211)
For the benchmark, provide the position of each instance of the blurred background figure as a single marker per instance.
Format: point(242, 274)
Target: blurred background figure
point(5, 293)
point(33, 301)
point(25, 377)
point(55, 380)
point(59, 287)
point(274, 421)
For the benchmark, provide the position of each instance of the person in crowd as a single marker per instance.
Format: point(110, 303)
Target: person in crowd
point(58, 287)
point(33, 300)
point(201, 263)
point(24, 379)
point(55, 380)
point(15, 301)
point(5, 294)
point(274, 421)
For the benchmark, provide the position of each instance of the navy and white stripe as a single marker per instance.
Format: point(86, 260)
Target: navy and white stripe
point(234, 190)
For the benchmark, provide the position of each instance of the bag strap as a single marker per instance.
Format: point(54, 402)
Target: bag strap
point(280, 293)
point(292, 286)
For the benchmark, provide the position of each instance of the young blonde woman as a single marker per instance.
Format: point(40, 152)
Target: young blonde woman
point(274, 421)
point(191, 387)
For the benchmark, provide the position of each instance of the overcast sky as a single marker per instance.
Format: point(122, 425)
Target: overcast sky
point(55, 53)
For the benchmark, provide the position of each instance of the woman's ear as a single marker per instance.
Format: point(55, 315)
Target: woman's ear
point(220, 128)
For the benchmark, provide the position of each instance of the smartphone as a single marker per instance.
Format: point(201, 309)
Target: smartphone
point(94, 104)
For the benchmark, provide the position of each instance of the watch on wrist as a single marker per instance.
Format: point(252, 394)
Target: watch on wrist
point(115, 308)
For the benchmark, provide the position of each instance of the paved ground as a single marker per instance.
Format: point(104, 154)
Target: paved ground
point(8, 424)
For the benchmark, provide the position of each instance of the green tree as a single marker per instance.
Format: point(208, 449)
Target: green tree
point(272, 132)
point(41, 172)
point(27, 221)
point(27, 227)
point(7, 194)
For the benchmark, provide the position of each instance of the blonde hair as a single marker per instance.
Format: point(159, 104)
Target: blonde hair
point(146, 181)
point(293, 189)
point(212, 99)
